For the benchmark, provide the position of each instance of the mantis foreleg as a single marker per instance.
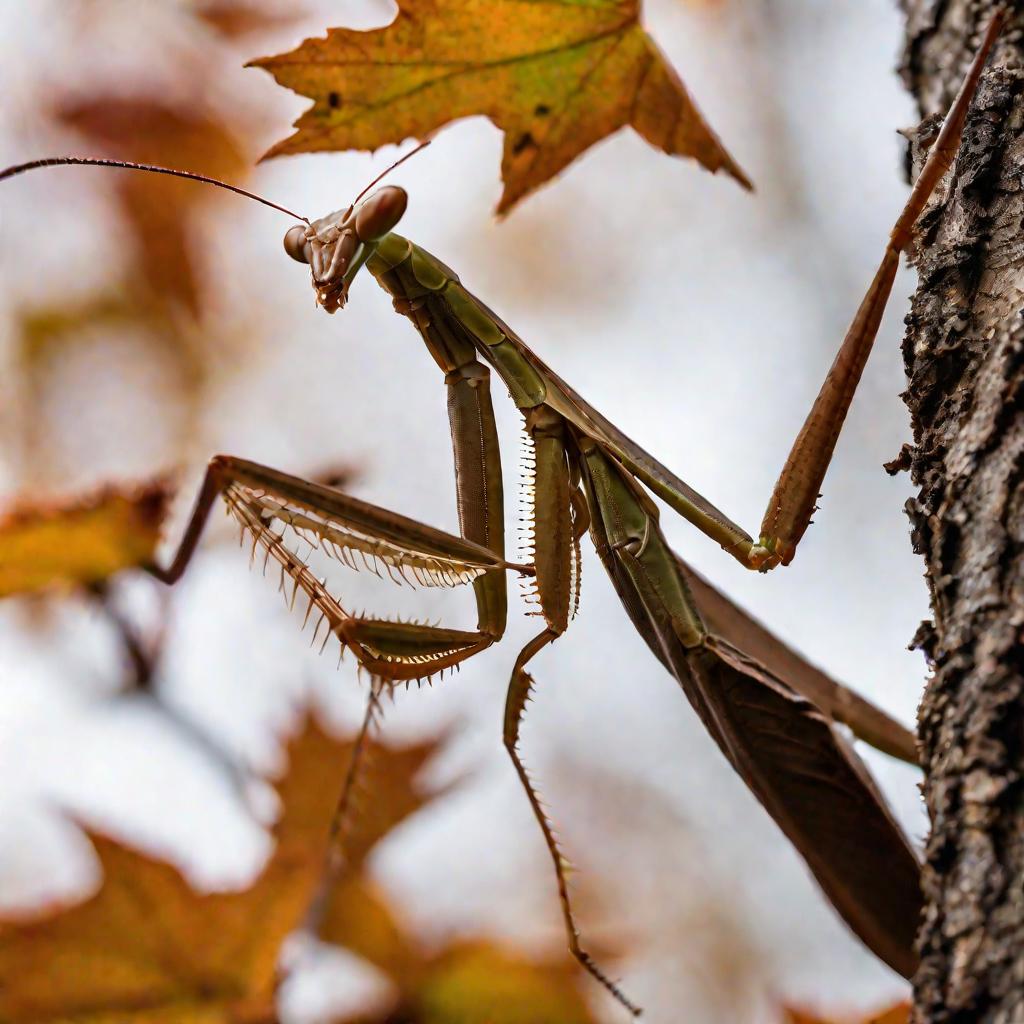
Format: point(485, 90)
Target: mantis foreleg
point(478, 483)
point(349, 529)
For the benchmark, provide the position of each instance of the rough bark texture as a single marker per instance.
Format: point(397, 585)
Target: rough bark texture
point(964, 354)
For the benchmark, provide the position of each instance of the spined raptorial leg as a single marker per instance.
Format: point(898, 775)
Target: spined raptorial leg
point(349, 529)
point(556, 528)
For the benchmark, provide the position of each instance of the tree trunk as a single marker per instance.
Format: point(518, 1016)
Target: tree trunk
point(964, 356)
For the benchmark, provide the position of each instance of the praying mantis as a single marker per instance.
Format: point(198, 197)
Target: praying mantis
point(754, 697)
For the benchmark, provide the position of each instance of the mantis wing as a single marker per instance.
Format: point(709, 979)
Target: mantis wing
point(841, 704)
point(784, 747)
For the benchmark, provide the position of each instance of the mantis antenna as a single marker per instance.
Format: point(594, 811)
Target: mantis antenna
point(383, 174)
point(89, 161)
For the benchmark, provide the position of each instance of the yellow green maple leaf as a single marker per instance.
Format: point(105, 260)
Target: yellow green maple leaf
point(556, 76)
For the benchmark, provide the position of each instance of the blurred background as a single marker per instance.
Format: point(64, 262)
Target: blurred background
point(146, 324)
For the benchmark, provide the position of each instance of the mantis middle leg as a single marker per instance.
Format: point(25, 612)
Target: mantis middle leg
point(559, 520)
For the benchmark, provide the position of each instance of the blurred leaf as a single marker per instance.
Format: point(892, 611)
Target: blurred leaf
point(44, 329)
point(357, 917)
point(235, 19)
point(354, 912)
point(554, 77)
point(164, 290)
point(159, 210)
point(389, 790)
point(83, 541)
point(471, 982)
point(144, 948)
point(41, 340)
point(147, 947)
point(898, 1014)
point(485, 983)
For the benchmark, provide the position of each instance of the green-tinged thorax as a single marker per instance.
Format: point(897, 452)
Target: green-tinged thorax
point(412, 275)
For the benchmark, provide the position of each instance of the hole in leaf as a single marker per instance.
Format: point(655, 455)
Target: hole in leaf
point(524, 141)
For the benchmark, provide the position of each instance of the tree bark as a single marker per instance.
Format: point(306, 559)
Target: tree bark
point(964, 356)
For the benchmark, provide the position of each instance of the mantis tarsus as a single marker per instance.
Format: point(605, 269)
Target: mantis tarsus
point(587, 476)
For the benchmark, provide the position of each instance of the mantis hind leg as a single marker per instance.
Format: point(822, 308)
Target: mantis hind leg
point(797, 490)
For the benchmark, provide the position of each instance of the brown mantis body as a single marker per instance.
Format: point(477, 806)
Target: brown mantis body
point(773, 718)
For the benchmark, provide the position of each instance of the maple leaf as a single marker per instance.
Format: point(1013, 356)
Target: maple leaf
point(390, 789)
point(82, 541)
point(556, 76)
point(358, 917)
point(147, 948)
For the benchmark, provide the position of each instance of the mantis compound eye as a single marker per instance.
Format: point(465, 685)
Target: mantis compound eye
point(296, 245)
point(380, 213)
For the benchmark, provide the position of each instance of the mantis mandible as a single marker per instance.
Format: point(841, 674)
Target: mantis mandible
point(771, 719)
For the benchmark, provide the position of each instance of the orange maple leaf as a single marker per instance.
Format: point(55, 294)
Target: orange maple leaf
point(556, 76)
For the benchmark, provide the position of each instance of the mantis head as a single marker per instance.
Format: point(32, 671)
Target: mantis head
point(336, 246)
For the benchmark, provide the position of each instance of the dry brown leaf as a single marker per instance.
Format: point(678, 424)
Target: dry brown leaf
point(358, 917)
point(160, 210)
point(898, 1014)
point(147, 947)
point(472, 981)
point(389, 790)
point(82, 541)
point(556, 76)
